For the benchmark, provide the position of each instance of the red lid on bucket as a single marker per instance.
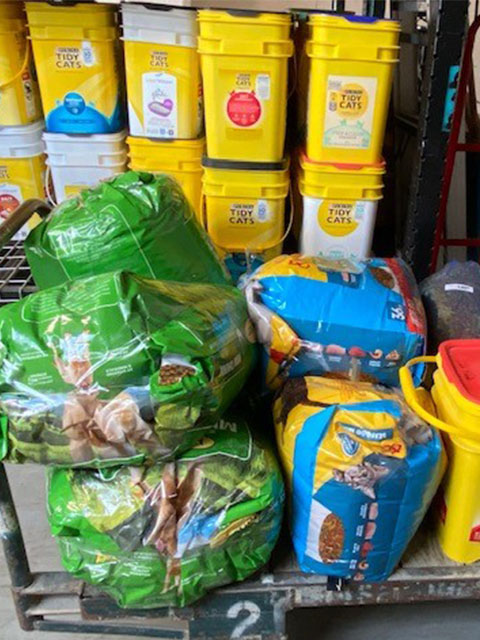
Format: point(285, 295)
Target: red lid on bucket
point(461, 366)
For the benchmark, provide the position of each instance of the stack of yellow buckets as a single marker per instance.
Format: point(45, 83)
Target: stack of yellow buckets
point(22, 165)
point(77, 57)
point(244, 58)
point(165, 103)
point(345, 80)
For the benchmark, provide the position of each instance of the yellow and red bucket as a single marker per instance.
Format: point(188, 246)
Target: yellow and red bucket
point(351, 63)
point(181, 159)
point(19, 94)
point(456, 394)
point(244, 59)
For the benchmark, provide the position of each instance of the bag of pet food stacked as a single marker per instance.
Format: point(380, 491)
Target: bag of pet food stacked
point(167, 533)
point(362, 470)
point(317, 316)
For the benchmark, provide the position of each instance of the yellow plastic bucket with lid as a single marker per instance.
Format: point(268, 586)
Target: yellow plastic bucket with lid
point(339, 208)
point(245, 205)
point(352, 59)
point(77, 56)
point(163, 72)
point(22, 168)
point(19, 93)
point(181, 159)
point(456, 394)
point(244, 58)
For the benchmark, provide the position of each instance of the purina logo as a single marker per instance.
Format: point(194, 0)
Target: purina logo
point(349, 446)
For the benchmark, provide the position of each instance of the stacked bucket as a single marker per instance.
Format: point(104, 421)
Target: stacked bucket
point(78, 61)
point(244, 58)
point(165, 103)
point(22, 165)
point(345, 79)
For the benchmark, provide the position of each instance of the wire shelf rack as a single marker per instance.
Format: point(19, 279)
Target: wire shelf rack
point(16, 281)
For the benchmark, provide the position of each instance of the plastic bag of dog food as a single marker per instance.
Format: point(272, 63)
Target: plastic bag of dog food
point(315, 316)
point(362, 469)
point(452, 303)
point(168, 533)
point(116, 368)
point(136, 222)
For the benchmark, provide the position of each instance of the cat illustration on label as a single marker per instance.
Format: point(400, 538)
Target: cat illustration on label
point(161, 108)
point(361, 477)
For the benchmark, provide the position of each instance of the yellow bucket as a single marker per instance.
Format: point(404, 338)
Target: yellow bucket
point(245, 205)
point(456, 394)
point(19, 94)
point(163, 72)
point(181, 159)
point(76, 52)
point(244, 60)
point(339, 208)
point(351, 70)
point(22, 168)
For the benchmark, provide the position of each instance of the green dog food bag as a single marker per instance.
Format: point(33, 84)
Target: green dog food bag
point(118, 369)
point(166, 534)
point(136, 222)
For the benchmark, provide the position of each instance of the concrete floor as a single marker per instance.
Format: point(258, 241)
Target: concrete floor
point(397, 622)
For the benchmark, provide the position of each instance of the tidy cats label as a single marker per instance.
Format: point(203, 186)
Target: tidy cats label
point(244, 107)
point(349, 112)
point(339, 219)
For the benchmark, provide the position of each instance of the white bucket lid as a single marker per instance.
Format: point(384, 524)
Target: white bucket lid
point(160, 26)
point(23, 141)
point(75, 139)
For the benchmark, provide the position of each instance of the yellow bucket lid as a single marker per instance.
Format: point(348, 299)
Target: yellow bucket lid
point(197, 144)
point(41, 14)
point(247, 17)
point(351, 21)
point(339, 168)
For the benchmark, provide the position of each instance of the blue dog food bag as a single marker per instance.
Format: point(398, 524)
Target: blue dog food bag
point(313, 315)
point(362, 470)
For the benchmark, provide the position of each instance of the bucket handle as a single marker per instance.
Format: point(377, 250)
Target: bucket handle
point(20, 216)
point(203, 220)
point(47, 184)
point(23, 68)
point(411, 397)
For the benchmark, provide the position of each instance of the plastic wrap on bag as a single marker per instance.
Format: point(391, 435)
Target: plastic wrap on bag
point(168, 533)
point(363, 470)
point(116, 368)
point(314, 316)
point(137, 222)
point(452, 303)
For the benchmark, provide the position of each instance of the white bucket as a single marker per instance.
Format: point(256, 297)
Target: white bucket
point(22, 169)
point(77, 162)
point(162, 68)
point(160, 25)
point(23, 141)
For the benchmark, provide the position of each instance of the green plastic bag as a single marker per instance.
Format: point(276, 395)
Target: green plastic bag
point(116, 368)
point(136, 222)
point(168, 533)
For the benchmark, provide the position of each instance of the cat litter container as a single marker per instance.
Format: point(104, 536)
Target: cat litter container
point(339, 208)
point(77, 56)
point(19, 94)
point(181, 159)
point(78, 162)
point(163, 72)
point(456, 394)
point(244, 57)
point(351, 69)
point(22, 168)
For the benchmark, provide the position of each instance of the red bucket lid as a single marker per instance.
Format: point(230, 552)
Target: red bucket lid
point(461, 366)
